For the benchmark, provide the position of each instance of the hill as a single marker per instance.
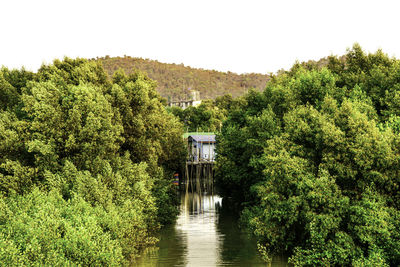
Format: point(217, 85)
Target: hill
point(174, 80)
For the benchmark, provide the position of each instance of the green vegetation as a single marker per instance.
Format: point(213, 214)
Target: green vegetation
point(312, 162)
point(174, 79)
point(208, 116)
point(85, 165)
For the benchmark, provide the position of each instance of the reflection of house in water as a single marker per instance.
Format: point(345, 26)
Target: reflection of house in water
point(201, 147)
point(193, 100)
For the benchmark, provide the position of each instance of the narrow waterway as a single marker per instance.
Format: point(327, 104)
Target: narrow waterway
point(205, 234)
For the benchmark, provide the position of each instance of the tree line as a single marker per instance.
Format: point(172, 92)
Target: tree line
point(208, 116)
point(312, 162)
point(174, 80)
point(85, 165)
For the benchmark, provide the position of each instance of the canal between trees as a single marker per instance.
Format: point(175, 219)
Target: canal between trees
point(205, 234)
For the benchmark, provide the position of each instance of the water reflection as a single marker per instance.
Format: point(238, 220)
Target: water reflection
point(198, 221)
point(205, 234)
point(238, 248)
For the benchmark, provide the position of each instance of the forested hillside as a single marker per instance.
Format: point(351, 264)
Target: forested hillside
point(174, 80)
point(312, 162)
point(85, 165)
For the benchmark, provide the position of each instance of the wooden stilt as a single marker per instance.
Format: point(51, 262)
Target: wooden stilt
point(187, 177)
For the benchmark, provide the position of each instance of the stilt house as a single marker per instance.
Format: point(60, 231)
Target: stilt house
point(201, 148)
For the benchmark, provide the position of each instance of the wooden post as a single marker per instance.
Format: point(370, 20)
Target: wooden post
point(198, 185)
point(191, 177)
point(187, 177)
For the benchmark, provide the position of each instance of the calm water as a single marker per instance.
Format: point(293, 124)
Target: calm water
point(205, 234)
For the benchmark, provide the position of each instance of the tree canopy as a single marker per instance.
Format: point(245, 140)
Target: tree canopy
point(312, 162)
point(85, 165)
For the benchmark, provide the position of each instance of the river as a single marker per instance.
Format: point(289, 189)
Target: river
point(205, 234)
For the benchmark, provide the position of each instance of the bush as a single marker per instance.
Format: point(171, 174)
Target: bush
point(84, 165)
point(312, 163)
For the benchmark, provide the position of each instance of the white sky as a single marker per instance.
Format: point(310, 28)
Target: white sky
point(240, 36)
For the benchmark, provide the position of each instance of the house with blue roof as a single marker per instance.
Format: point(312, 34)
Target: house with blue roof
point(201, 148)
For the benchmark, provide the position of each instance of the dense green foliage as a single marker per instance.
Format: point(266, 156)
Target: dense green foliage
point(313, 162)
point(85, 165)
point(174, 79)
point(208, 116)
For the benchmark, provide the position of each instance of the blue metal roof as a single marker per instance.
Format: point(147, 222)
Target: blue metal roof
point(203, 138)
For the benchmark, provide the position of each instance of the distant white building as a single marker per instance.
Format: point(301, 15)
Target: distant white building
point(193, 101)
